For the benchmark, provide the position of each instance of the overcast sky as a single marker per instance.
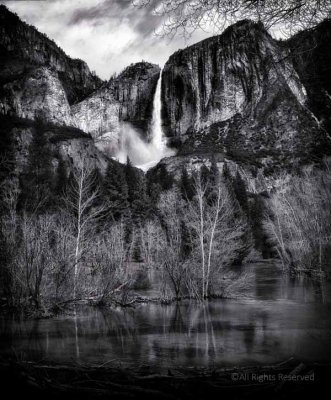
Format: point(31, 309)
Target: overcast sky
point(107, 34)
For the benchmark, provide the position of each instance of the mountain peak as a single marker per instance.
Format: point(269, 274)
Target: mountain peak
point(23, 47)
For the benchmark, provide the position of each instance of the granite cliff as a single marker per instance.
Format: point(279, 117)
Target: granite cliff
point(127, 97)
point(37, 94)
point(241, 94)
point(311, 55)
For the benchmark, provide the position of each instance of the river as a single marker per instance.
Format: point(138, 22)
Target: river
point(282, 317)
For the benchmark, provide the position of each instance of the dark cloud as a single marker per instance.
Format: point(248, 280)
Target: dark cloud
point(108, 9)
point(147, 26)
point(115, 11)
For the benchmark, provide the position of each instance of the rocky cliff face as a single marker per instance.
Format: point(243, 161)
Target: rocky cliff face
point(311, 54)
point(134, 89)
point(128, 97)
point(74, 147)
point(97, 114)
point(38, 81)
point(37, 95)
point(239, 94)
point(22, 47)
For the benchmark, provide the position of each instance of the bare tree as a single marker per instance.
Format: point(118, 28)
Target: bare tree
point(62, 248)
point(202, 238)
point(173, 261)
point(9, 223)
point(185, 16)
point(299, 221)
point(80, 200)
point(151, 235)
point(108, 260)
point(218, 233)
point(34, 258)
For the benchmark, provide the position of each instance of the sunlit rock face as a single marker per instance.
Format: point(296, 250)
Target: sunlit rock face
point(38, 94)
point(125, 98)
point(97, 114)
point(239, 94)
point(128, 97)
point(255, 178)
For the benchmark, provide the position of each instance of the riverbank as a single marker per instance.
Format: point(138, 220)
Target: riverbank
point(287, 380)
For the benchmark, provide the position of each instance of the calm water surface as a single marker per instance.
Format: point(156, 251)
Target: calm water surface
point(283, 317)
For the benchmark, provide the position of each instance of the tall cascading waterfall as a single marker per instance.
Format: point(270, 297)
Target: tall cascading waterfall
point(144, 154)
point(158, 139)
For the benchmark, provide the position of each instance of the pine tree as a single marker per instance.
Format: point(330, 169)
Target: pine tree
point(157, 181)
point(7, 158)
point(61, 179)
point(239, 188)
point(204, 175)
point(226, 173)
point(131, 180)
point(115, 191)
point(154, 191)
point(164, 178)
point(213, 182)
point(186, 185)
point(257, 210)
point(36, 182)
point(139, 201)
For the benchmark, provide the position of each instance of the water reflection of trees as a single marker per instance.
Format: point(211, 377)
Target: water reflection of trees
point(300, 288)
point(185, 333)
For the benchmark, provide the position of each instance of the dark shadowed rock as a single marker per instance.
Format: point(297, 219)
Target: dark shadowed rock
point(311, 55)
point(134, 89)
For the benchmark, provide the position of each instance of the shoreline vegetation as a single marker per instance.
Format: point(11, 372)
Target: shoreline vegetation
point(288, 379)
point(69, 306)
point(140, 297)
point(73, 233)
point(70, 232)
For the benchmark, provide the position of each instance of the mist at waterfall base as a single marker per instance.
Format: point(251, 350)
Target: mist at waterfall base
point(141, 153)
point(144, 154)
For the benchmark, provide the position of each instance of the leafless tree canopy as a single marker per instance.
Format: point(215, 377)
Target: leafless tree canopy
point(299, 223)
point(186, 16)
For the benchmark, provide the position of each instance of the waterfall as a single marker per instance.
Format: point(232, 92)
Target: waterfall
point(145, 155)
point(156, 125)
